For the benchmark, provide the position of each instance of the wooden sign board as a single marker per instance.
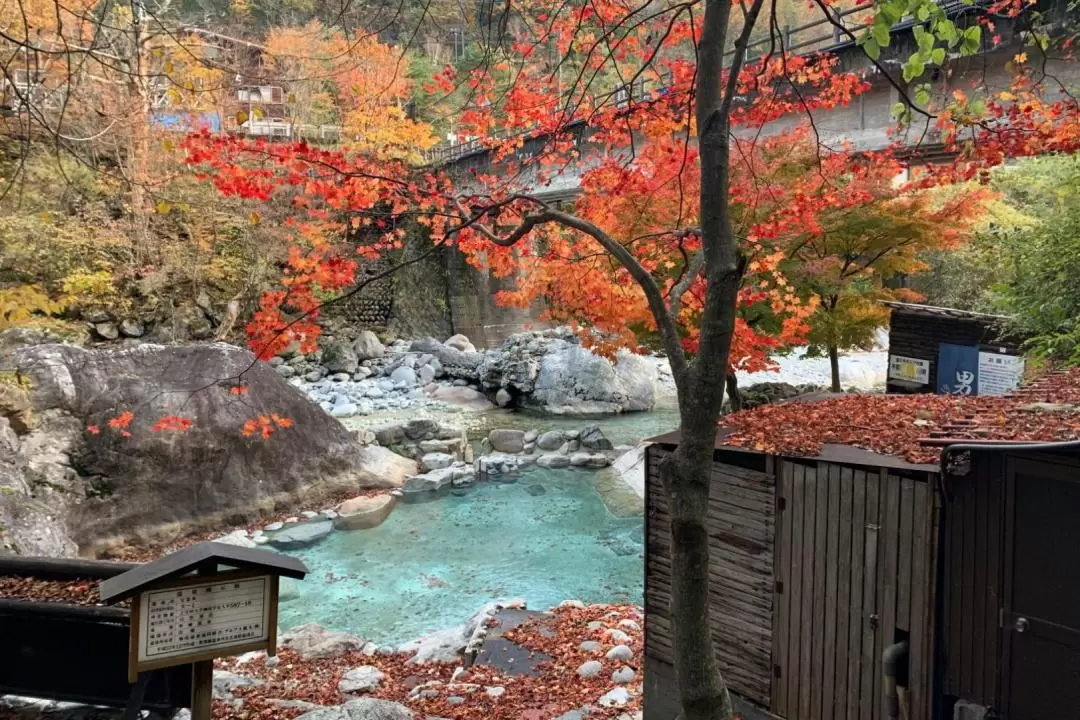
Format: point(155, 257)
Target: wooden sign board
point(201, 618)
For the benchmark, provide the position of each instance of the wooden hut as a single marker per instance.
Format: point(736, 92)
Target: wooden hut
point(821, 564)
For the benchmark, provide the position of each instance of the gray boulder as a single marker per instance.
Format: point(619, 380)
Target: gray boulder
point(114, 485)
point(593, 439)
point(107, 330)
point(368, 346)
point(314, 642)
point(460, 343)
point(362, 709)
point(507, 441)
point(340, 358)
point(132, 329)
point(550, 441)
point(553, 462)
point(436, 461)
point(301, 535)
point(225, 682)
point(404, 375)
point(363, 679)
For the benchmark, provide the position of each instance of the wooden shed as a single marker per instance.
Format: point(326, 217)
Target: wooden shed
point(916, 333)
point(820, 564)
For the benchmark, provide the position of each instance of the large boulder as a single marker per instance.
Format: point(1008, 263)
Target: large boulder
point(368, 346)
point(301, 535)
point(30, 515)
point(460, 343)
point(390, 468)
point(116, 482)
point(551, 372)
point(339, 358)
point(507, 441)
point(364, 512)
point(314, 642)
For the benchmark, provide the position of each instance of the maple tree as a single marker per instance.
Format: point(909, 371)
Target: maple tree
point(677, 240)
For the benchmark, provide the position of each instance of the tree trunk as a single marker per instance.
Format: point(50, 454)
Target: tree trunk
point(734, 398)
point(703, 694)
point(834, 367)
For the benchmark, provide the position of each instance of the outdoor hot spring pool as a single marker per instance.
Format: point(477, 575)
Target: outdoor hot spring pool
point(546, 538)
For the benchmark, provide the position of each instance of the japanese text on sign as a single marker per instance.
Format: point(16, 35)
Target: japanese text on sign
point(203, 617)
point(910, 369)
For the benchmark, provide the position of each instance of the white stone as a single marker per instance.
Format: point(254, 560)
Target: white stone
point(363, 679)
point(615, 698)
point(239, 538)
point(621, 653)
point(630, 625)
point(590, 646)
point(495, 692)
point(617, 636)
point(590, 669)
point(623, 676)
point(572, 604)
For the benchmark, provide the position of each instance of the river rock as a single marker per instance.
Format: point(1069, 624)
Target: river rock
point(426, 374)
point(314, 642)
point(623, 676)
point(551, 372)
point(364, 513)
point(404, 375)
point(338, 357)
point(211, 470)
point(363, 679)
point(239, 538)
point(553, 461)
point(132, 328)
point(301, 535)
point(225, 682)
point(580, 459)
point(107, 330)
point(421, 428)
point(436, 461)
point(621, 653)
point(460, 343)
point(503, 397)
point(615, 698)
point(592, 438)
point(550, 441)
point(386, 464)
point(507, 441)
point(367, 346)
point(362, 709)
point(462, 396)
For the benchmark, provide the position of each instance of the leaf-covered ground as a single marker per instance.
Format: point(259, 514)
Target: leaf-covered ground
point(556, 689)
point(1046, 411)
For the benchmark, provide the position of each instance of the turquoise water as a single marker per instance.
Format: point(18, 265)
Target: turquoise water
point(432, 565)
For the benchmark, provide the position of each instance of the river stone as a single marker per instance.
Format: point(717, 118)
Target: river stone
point(107, 330)
point(551, 440)
point(285, 371)
point(590, 646)
point(238, 538)
point(301, 535)
point(621, 653)
point(367, 346)
point(386, 464)
point(429, 481)
point(462, 396)
point(507, 441)
point(593, 439)
point(436, 461)
point(149, 483)
point(314, 642)
point(362, 709)
point(615, 698)
point(132, 328)
point(623, 675)
point(460, 343)
point(338, 357)
point(590, 669)
point(364, 513)
point(580, 459)
point(421, 428)
point(225, 682)
point(363, 679)
point(426, 374)
point(553, 461)
point(404, 375)
point(503, 397)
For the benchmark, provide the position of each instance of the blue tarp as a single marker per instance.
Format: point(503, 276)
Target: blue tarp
point(188, 122)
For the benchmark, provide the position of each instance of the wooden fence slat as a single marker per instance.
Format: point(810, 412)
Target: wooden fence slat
point(821, 524)
point(794, 597)
point(921, 613)
point(832, 562)
point(806, 645)
point(843, 593)
point(966, 619)
point(904, 553)
point(888, 551)
point(978, 609)
point(856, 608)
point(992, 545)
point(783, 577)
point(870, 654)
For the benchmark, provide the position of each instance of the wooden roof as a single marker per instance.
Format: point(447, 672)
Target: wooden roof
point(191, 558)
point(830, 452)
point(941, 312)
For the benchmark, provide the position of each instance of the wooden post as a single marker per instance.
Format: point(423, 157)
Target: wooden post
point(202, 675)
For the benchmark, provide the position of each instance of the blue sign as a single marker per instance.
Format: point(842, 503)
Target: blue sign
point(958, 369)
point(188, 122)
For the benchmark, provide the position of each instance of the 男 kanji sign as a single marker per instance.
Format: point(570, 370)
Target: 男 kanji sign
point(203, 616)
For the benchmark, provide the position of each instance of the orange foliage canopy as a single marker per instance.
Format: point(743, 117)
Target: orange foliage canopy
point(639, 180)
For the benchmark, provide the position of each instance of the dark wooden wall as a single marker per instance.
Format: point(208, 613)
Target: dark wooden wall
point(741, 518)
point(918, 336)
point(855, 571)
point(973, 556)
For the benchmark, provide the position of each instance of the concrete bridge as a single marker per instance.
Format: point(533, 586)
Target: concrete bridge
point(866, 124)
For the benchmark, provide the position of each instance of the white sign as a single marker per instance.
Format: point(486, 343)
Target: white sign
point(999, 374)
point(910, 369)
point(203, 617)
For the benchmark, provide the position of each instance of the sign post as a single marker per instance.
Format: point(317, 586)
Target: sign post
point(207, 601)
